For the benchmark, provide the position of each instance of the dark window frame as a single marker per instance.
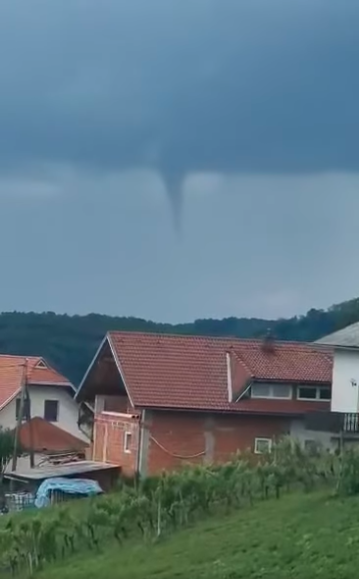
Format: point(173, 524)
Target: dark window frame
point(51, 410)
point(317, 393)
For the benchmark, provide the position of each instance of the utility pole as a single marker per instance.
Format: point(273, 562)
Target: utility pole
point(20, 415)
point(31, 437)
point(24, 396)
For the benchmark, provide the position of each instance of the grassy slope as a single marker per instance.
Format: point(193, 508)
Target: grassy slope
point(300, 536)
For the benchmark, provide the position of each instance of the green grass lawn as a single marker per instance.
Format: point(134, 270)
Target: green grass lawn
point(300, 536)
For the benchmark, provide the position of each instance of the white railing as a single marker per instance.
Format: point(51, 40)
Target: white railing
point(351, 422)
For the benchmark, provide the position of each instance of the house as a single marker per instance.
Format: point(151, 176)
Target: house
point(345, 379)
point(161, 400)
point(51, 394)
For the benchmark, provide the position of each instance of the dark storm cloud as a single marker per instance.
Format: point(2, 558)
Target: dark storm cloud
point(180, 85)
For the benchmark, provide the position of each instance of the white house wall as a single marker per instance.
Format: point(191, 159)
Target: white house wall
point(345, 387)
point(300, 433)
point(68, 409)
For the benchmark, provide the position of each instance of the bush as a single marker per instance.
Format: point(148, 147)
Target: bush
point(159, 505)
point(348, 477)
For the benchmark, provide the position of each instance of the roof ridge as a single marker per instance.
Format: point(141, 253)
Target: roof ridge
point(236, 339)
point(21, 356)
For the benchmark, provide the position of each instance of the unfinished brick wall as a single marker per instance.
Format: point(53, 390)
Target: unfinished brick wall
point(234, 432)
point(110, 431)
point(171, 435)
point(201, 438)
point(170, 440)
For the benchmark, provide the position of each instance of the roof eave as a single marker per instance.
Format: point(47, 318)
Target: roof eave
point(293, 381)
point(83, 381)
point(119, 368)
point(10, 399)
point(345, 347)
point(238, 410)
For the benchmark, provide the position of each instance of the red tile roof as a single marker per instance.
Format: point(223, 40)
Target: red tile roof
point(39, 372)
point(167, 371)
point(48, 438)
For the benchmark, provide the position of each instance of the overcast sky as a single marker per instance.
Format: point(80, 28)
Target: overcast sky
point(177, 159)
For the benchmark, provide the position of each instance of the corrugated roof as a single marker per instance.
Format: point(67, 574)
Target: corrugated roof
point(347, 337)
point(167, 371)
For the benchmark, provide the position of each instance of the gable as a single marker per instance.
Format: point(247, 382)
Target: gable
point(41, 364)
point(103, 376)
point(15, 370)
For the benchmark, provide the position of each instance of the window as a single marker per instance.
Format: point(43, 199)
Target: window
point(281, 391)
point(325, 394)
point(314, 393)
point(261, 391)
point(127, 442)
point(41, 364)
point(307, 393)
point(26, 409)
point(51, 410)
point(262, 445)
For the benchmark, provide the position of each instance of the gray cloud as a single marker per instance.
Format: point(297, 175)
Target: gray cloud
point(261, 245)
point(181, 86)
point(246, 108)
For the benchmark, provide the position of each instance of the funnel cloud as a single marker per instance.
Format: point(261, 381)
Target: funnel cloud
point(219, 86)
point(249, 106)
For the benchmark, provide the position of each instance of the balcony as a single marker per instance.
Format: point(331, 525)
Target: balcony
point(335, 422)
point(350, 422)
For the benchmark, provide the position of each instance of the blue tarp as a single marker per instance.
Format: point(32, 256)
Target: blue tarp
point(70, 486)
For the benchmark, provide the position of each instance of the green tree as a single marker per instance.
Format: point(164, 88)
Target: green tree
point(70, 342)
point(7, 442)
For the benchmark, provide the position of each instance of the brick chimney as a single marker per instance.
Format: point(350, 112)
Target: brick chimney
point(268, 342)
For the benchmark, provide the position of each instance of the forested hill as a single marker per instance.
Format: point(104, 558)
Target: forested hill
point(69, 342)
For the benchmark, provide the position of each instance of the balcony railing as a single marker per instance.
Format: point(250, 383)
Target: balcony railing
point(351, 422)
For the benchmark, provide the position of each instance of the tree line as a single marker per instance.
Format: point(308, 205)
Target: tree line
point(69, 342)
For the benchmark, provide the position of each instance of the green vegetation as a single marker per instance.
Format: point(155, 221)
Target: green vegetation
point(69, 342)
point(134, 519)
point(7, 446)
point(300, 537)
point(7, 443)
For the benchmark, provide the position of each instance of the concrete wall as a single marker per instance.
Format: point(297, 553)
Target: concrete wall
point(299, 432)
point(345, 394)
point(68, 409)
